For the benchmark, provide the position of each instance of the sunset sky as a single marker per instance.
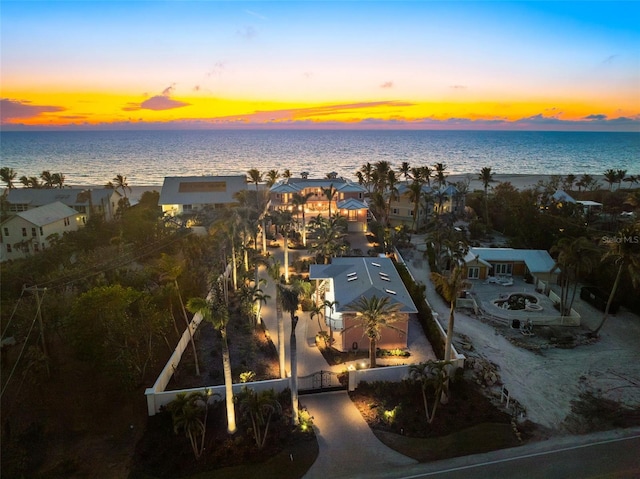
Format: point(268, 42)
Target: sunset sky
point(386, 64)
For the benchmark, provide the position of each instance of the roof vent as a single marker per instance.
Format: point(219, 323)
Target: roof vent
point(390, 291)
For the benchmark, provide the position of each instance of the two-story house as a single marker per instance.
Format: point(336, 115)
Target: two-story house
point(29, 232)
point(432, 201)
point(324, 196)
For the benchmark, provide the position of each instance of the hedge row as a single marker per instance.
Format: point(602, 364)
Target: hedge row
point(425, 315)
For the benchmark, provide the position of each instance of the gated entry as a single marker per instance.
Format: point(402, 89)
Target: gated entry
point(319, 381)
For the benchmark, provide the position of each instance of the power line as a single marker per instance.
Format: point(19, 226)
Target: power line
point(12, 314)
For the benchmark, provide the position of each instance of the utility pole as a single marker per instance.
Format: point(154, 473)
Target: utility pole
point(36, 291)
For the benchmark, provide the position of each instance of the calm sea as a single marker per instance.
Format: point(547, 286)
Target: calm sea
point(146, 157)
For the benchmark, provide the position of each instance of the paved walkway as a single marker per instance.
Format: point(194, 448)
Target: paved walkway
point(347, 447)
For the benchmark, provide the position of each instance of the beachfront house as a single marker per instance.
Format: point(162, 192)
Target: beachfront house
point(346, 280)
point(324, 196)
point(184, 195)
point(86, 201)
point(29, 232)
point(432, 201)
point(500, 264)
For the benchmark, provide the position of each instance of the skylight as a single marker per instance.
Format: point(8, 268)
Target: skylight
point(390, 291)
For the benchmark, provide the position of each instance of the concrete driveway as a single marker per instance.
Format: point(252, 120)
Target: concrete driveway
point(348, 448)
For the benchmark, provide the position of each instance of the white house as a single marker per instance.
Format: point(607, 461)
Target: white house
point(87, 202)
point(189, 194)
point(28, 232)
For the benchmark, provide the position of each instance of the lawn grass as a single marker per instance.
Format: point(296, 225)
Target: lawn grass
point(474, 440)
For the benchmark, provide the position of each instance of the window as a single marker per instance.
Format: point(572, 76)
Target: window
point(6, 231)
point(8, 248)
point(473, 272)
point(36, 247)
point(24, 231)
point(66, 222)
point(502, 268)
point(33, 232)
point(352, 215)
point(41, 231)
point(395, 211)
point(187, 207)
point(359, 196)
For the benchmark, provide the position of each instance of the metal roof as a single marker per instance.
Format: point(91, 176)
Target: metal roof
point(537, 261)
point(356, 277)
point(68, 196)
point(47, 214)
point(351, 204)
point(201, 190)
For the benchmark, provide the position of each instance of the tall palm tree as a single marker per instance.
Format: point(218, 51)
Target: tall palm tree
point(217, 314)
point(290, 300)
point(7, 176)
point(620, 177)
point(626, 254)
point(58, 180)
point(274, 272)
point(328, 236)
point(486, 177)
point(365, 176)
point(30, 182)
point(611, 177)
point(450, 288)
point(317, 311)
point(441, 176)
point(430, 374)
point(405, 170)
point(330, 194)
point(120, 183)
point(170, 270)
point(576, 257)
point(299, 201)
point(272, 177)
point(392, 190)
point(415, 194)
point(283, 220)
point(286, 174)
point(47, 179)
point(373, 314)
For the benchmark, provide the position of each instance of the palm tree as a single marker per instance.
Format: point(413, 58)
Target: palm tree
point(415, 194)
point(259, 408)
point(317, 310)
point(286, 174)
point(58, 180)
point(30, 182)
point(449, 288)
point(290, 300)
point(217, 314)
point(328, 236)
point(7, 175)
point(632, 180)
point(120, 183)
point(569, 180)
point(283, 220)
point(486, 177)
point(170, 270)
point(299, 201)
point(47, 179)
point(405, 170)
point(430, 374)
point(189, 413)
point(575, 258)
point(365, 176)
point(373, 314)
point(440, 169)
point(626, 254)
point(274, 272)
point(620, 176)
point(392, 190)
point(272, 177)
point(330, 193)
point(611, 177)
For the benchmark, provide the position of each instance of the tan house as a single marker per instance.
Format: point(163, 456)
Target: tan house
point(29, 232)
point(86, 201)
point(190, 194)
point(432, 201)
point(346, 280)
point(348, 198)
point(487, 263)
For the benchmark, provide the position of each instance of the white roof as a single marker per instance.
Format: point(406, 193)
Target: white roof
point(589, 203)
point(537, 261)
point(201, 190)
point(356, 277)
point(47, 214)
point(68, 196)
point(560, 195)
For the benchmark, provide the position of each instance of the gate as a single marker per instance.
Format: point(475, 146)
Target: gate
point(320, 381)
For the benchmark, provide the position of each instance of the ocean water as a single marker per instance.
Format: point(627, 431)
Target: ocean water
point(146, 157)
